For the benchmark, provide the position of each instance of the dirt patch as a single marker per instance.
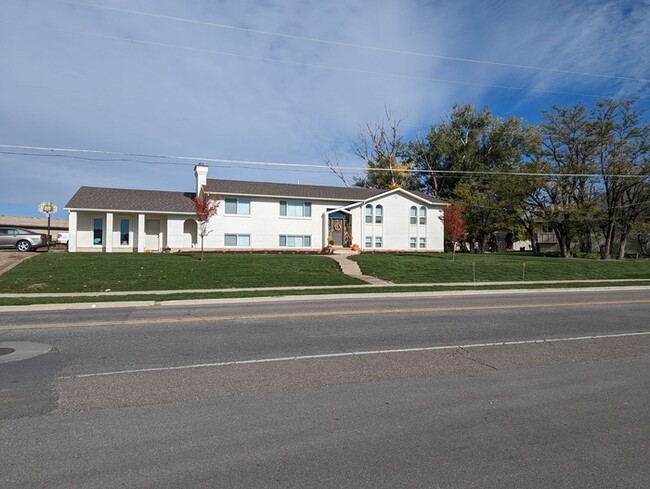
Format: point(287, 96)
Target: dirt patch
point(9, 259)
point(36, 287)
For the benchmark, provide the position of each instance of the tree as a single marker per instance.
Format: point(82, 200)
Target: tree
point(452, 218)
point(623, 153)
point(565, 200)
point(380, 145)
point(456, 143)
point(482, 149)
point(205, 207)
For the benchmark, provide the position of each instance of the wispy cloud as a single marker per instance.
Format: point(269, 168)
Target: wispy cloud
point(281, 80)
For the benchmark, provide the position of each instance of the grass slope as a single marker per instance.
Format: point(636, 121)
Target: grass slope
point(497, 267)
point(85, 272)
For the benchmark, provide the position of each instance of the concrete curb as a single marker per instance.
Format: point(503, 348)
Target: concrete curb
point(298, 298)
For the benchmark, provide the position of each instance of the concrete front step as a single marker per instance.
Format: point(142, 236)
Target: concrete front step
point(350, 268)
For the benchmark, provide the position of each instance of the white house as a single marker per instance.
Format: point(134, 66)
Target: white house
point(255, 216)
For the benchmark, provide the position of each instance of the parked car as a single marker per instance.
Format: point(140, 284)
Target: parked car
point(21, 239)
point(62, 238)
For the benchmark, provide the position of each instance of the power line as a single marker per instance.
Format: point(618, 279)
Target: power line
point(355, 45)
point(331, 67)
point(285, 165)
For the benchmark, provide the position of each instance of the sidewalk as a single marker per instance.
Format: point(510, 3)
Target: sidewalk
point(349, 267)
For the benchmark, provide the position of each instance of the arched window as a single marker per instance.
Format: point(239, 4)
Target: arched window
point(423, 215)
point(413, 215)
point(368, 214)
point(379, 214)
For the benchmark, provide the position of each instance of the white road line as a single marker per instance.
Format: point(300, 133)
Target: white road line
point(352, 354)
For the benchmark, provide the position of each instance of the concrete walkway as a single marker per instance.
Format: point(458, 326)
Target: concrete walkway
point(348, 267)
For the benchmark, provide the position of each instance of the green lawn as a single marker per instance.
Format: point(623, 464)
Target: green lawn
point(440, 268)
point(86, 272)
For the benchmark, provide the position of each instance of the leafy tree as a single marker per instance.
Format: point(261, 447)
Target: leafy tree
point(205, 207)
point(454, 225)
point(483, 149)
point(457, 143)
point(623, 145)
point(566, 201)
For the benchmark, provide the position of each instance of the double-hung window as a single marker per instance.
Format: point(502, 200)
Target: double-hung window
point(291, 208)
point(368, 241)
point(368, 214)
point(290, 241)
point(413, 242)
point(423, 242)
point(378, 241)
point(237, 206)
point(413, 215)
point(423, 215)
point(237, 240)
point(379, 214)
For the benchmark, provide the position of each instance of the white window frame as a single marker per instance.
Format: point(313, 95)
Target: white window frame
point(238, 201)
point(423, 216)
point(368, 214)
point(92, 231)
point(413, 215)
point(423, 243)
point(379, 242)
point(286, 239)
point(128, 232)
point(238, 240)
point(379, 214)
point(286, 207)
point(368, 243)
point(413, 243)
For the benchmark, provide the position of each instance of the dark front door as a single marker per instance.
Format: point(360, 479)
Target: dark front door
point(338, 227)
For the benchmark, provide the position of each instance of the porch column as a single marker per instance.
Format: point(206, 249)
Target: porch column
point(141, 234)
point(109, 232)
point(325, 225)
point(72, 230)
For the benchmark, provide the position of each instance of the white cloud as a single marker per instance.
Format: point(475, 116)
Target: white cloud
point(69, 82)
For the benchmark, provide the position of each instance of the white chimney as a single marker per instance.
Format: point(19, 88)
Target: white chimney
point(201, 173)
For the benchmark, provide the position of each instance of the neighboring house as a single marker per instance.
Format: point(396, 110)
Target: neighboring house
point(255, 216)
point(36, 224)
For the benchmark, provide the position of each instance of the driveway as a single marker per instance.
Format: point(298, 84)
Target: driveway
point(9, 259)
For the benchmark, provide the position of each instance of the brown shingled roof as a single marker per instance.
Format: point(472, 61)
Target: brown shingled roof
point(348, 194)
point(118, 199)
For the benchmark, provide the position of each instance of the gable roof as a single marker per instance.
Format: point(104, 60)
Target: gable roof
point(268, 189)
point(119, 199)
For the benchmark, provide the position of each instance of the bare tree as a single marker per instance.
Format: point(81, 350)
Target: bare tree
point(334, 165)
point(382, 148)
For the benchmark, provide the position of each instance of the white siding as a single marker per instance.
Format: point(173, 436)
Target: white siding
point(264, 225)
point(395, 229)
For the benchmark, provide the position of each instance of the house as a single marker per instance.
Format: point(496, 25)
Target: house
point(255, 216)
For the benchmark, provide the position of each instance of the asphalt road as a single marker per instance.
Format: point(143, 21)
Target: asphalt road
point(543, 389)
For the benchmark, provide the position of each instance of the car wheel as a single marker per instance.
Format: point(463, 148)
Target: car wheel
point(23, 245)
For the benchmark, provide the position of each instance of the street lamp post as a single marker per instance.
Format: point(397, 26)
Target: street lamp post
point(47, 208)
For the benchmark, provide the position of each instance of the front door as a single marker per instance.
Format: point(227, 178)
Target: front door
point(338, 230)
point(152, 235)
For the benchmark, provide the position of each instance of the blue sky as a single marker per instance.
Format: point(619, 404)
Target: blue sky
point(278, 81)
